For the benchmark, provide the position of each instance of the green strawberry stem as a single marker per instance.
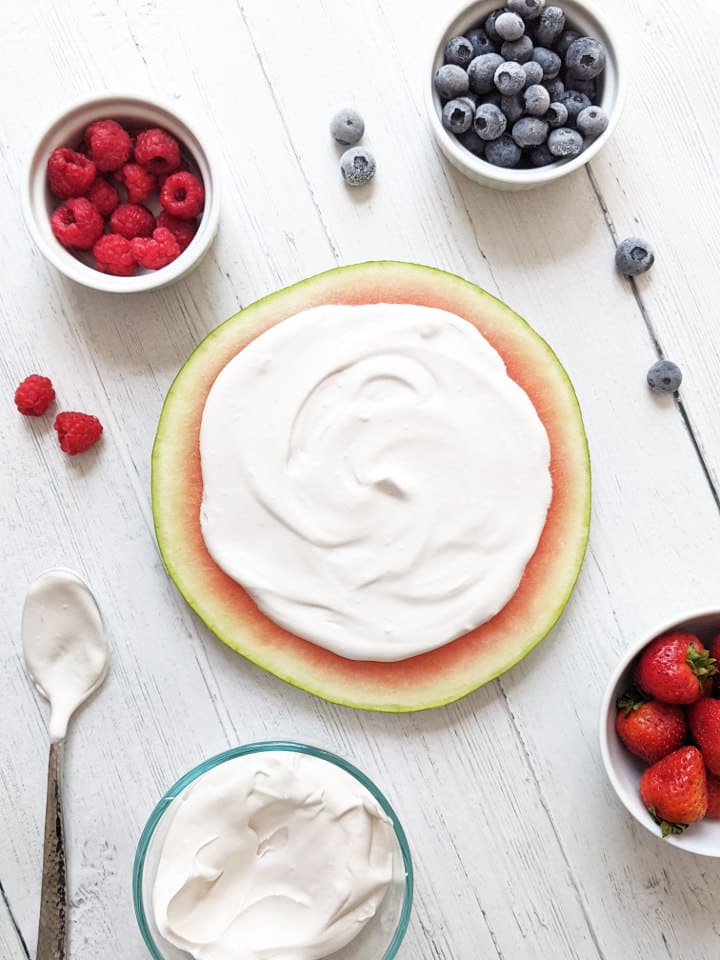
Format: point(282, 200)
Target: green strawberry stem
point(666, 827)
point(633, 699)
point(701, 663)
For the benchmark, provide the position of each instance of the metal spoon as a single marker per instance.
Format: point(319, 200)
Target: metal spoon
point(66, 657)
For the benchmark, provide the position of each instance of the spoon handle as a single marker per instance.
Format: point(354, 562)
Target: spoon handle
point(52, 932)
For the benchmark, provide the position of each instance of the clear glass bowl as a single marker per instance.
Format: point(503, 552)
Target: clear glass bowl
point(379, 939)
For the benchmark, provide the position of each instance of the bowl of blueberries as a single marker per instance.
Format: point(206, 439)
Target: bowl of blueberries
point(522, 94)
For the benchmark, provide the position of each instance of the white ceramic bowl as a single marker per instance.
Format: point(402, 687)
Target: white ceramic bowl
point(66, 130)
point(581, 16)
point(623, 769)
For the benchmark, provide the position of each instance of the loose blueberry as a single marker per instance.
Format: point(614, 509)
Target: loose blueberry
point(503, 152)
point(457, 115)
point(574, 102)
point(550, 25)
point(548, 60)
point(529, 132)
point(509, 26)
point(555, 88)
point(565, 143)
point(490, 122)
point(513, 108)
point(358, 166)
point(634, 256)
point(347, 127)
point(527, 9)
point(540, 156)
point(481, 42)
point(472, 142)
point(557, 115)
point(520, 50)
point(471, 100)
point(481, 72)
point(586, 58)
point(664, 377)
point(566, 38)
point(451, 81)
point(537, 100)
point(510, 78)
point(533, 73)
point(592, 121)
point(459, 51)
point(490, 24)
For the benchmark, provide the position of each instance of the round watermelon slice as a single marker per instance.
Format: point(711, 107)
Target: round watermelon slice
point(440, 676)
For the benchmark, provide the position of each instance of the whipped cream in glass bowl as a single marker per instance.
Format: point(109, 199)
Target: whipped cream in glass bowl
point(273, 849)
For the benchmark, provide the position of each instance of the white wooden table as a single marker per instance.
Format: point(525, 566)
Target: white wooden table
point(521, 849)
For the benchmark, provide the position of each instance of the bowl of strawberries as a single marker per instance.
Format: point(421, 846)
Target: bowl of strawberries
point(660, 732)
point(118, 193)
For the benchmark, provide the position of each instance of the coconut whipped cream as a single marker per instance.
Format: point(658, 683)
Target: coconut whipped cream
point(275, 855)
point(373, 477)
point(64, 643)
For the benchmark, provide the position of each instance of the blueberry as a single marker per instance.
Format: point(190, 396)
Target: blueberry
point(588, 87)
point(574, 102)
point(481, 42)
point(472, 142)
point(451, 81)
point(548, 60)
point(550, 25)
point(482, 71)
point(490, 121)
point(592, 121)
point(459, 51)
point(490, 24)
point(527, 9)
point(555, 88)
point(520, 50)
point(513, 108)
point(557, 115)
point(347, 127)
point(565, 143)
point(566, 38)
point(510, 78)
point(586, 58)
point(457, 116)
point(493, 97)
point(503, 152)
point(509, 26)
point(533, 73)
point(540, 156)
point(471, 100)
point(529, 132)
point(537, 100)
point(664, 377)
point(358, 166)
point(634, 256)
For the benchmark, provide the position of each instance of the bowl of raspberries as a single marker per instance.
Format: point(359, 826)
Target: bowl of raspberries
point(118, 194)
point(660, 732)
point(522, 94)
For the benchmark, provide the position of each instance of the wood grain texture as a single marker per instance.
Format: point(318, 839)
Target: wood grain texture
point(521, 850)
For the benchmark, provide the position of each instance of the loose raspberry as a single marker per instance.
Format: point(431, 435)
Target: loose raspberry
point(131, 220)
point(104, 196)
point(157, 252)
point(34, 395)
point(182, 230)
point(157, 151)
point(108, 144)
point(182, 195)
point(70, 173)
point(77, 223)
point(77, 432)
point(114, 255)
point(138, 182)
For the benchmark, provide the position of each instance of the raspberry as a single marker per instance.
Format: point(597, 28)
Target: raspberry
point(104, 196)
point(182, 230)
point(157, 252)
point(113, 254)
point(182, 195)
point(70, 173)
point(77, 223)
point(77, 432)
point(157, 151)
point(34, 395)
point(137, 181)
point(131, 220)
point(108, 144)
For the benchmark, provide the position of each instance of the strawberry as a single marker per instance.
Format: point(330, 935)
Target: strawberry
point(648, 728)
point(704, 717)
point(713, 810)
point(674, 668)
point(674, 790)
point(715, 653)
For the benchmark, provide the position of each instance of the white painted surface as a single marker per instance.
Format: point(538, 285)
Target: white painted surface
point(521, 850)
